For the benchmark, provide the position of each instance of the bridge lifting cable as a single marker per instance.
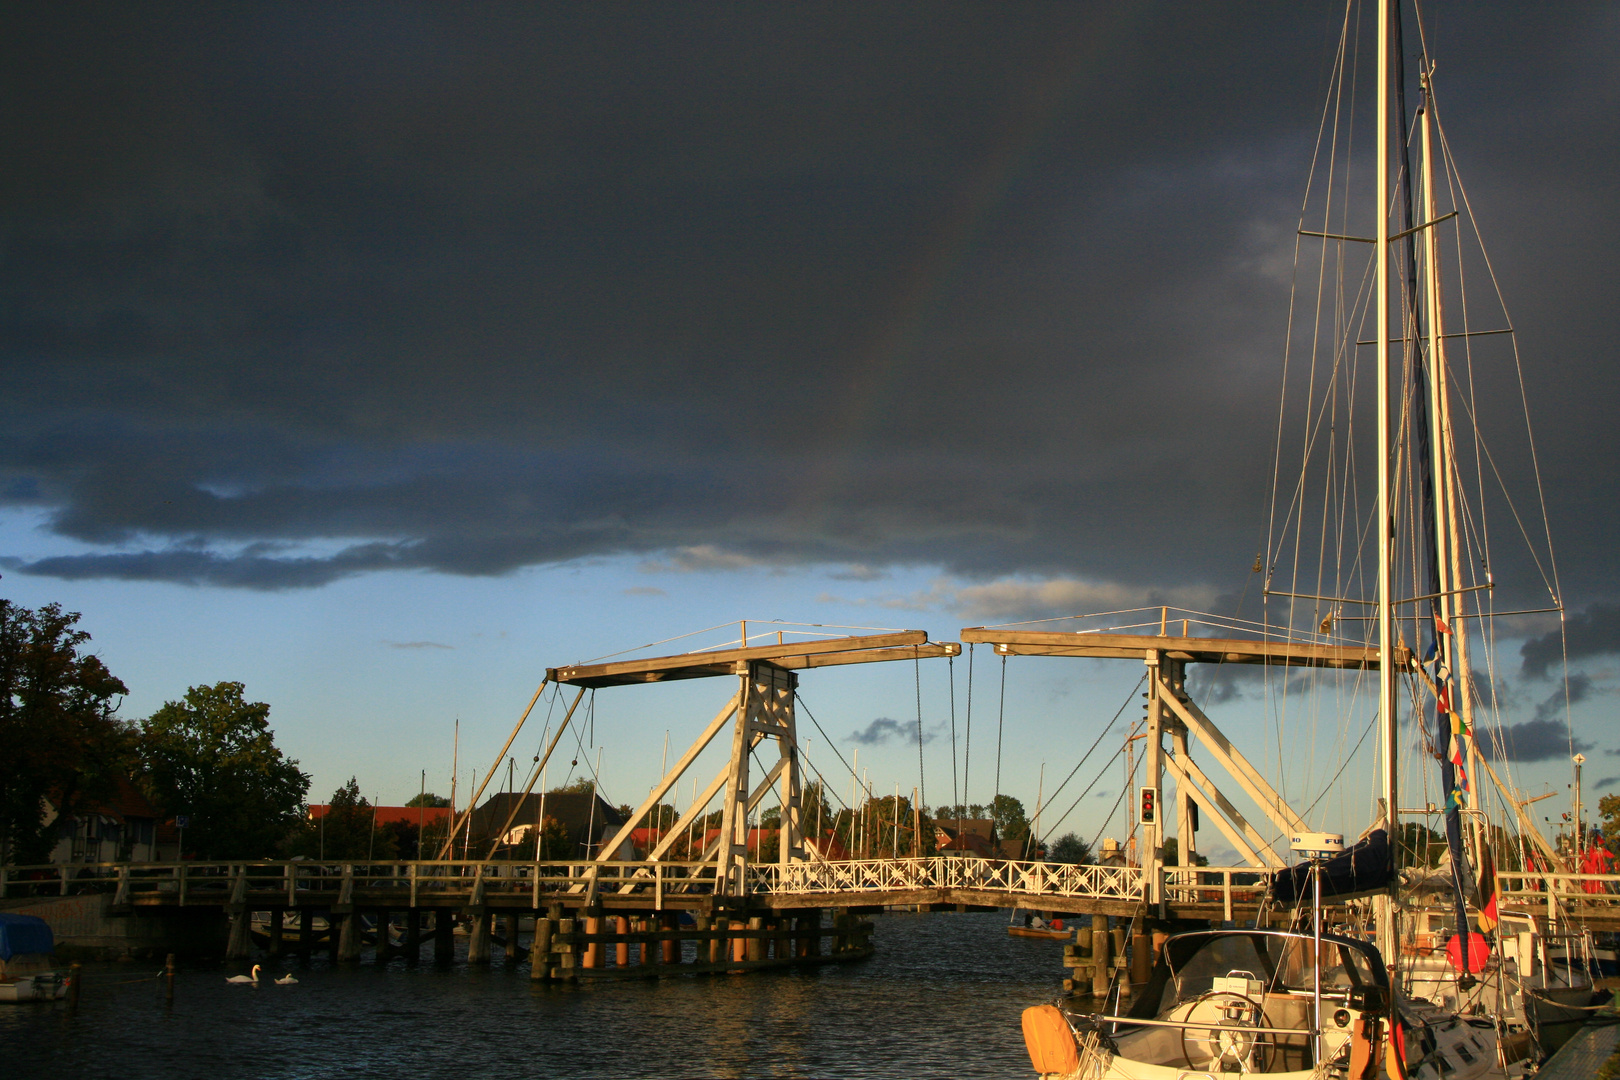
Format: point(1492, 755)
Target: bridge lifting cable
point(1095, 840)
point(967, 744)
point(1087, 791)
point(1098, 742)
point(824, 735)
point(1000, 719)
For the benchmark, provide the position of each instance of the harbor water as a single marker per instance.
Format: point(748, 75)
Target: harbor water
point(941, 998)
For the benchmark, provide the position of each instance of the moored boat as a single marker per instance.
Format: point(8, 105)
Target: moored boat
point(27, 966)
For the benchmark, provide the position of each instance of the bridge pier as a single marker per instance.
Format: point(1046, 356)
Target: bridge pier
point(239, 945)
point(348, 937)
point(477, 936)
point(444, 936)
point(306, 932)
point(413, 934)
point(278, 916)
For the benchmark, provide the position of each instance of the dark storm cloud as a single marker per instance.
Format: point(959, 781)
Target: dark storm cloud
point(883, 730)
point(1574, 691)
point(1593, 632)
point(1606, 782)
point(1532, 740)
point(291, 294)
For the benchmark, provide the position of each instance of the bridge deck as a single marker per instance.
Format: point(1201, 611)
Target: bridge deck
point(828, 652)
point(1189, 649)
point(1592, 900)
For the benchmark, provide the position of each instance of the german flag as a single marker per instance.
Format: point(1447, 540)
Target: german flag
point(1487, 892)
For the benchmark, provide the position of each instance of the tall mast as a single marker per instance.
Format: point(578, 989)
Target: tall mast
point(1388, 942)
point(1447, 533)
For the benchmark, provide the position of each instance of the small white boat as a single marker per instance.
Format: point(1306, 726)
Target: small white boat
point(27, 971)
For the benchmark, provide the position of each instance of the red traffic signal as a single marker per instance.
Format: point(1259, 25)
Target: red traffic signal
point(1150, 806)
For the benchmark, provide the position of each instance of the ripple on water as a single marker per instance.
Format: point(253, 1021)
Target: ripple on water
point(942, 998)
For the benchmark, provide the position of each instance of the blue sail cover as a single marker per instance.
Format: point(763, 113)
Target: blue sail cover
point(1363, 867)
point(24, 934)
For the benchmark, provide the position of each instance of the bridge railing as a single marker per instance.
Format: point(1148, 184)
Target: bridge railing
point(235, 882)
point(1031, 879)
point(411, 883)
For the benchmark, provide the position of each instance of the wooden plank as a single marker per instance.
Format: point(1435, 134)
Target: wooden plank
point(926, 651)
point(1204, 650)
point(697, 665)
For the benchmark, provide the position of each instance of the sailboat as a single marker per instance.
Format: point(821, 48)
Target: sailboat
point(1309, 1000)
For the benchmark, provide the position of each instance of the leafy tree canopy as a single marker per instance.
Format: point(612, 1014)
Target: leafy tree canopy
point(1069, 848)
point(1008, 813)
point(59, 737)
point(428, 799)
point(582, 786)
point(347, 829)
point(213, 758)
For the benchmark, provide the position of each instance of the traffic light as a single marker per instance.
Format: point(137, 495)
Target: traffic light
point(1150, 806)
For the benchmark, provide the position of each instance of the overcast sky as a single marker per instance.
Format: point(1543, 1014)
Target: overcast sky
point(339, 339)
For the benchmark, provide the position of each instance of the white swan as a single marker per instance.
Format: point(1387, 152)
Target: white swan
point(287, 981)
point(245, 980)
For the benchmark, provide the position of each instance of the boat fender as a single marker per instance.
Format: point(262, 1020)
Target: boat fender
point(1050, 1041)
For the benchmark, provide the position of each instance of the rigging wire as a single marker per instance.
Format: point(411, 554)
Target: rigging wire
point(916, 670)
point(1098, 742)
point(1000, 719)
point(956, 795)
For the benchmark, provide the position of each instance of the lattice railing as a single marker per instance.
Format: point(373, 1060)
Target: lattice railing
point(1014, 877)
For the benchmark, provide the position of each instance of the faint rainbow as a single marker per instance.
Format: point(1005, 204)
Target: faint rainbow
point(887, 354)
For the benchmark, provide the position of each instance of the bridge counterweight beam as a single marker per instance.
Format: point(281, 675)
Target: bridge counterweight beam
point(1186, 840)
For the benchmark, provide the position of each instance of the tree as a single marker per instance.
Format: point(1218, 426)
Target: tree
point(348, 830)
point(428, 799)
point(1420, 845)
point(213, 758)
point(1172, 854)
point(1011, 826)
point(59, 739)
point(1069, 848)
point(1609, 812)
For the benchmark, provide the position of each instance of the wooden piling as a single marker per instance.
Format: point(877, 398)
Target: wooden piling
point(168, 979)
point(478, 936)
point(306, 931)
point(239, 945)
point(540, 947)
point(1100, 941)
point(621, 950)
point(278, 916)
point(444, 936)
point(510, 924)
point(569, 955)
point(706, 949)
point(593, 948)
point(670, 949)
point(413, 935)
point(755, 948)
point(74, 979)
point(1141, 958)
point(348, 937)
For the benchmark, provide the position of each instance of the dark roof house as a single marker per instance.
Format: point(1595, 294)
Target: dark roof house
point(589, 820)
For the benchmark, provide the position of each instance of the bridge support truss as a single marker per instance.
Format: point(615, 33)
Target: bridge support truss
point(761, 710)
point(1171, 712)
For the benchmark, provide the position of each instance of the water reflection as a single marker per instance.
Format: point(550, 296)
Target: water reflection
point(942, 997)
